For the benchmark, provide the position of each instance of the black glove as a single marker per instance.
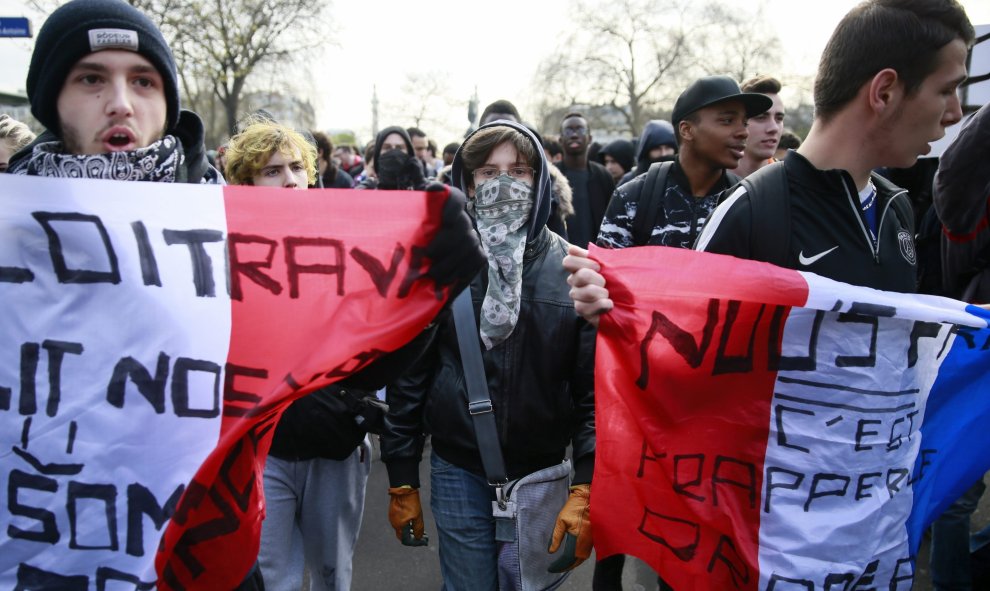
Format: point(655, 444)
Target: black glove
point(455, 252)
point(399, 171)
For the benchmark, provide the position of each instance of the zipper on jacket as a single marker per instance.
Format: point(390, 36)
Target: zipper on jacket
point(854, 203)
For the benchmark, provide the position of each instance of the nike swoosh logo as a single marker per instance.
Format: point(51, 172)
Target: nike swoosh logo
point(811, 260)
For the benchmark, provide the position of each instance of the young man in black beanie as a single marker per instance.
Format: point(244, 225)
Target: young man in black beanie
point(103, 81)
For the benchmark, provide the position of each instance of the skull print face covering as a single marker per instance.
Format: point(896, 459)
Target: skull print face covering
point(501, 207)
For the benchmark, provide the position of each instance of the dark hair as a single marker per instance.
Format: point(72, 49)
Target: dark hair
point(571, 115)
point(451, 148)
point(369, 152)
point(694, 118)
point(905, 35)
point(500, 106)
point(789, 141)
point(479, 146)
point(552, 146)
point(762, 84)
point(415, 132)
point(431, 146)
point(323, 144)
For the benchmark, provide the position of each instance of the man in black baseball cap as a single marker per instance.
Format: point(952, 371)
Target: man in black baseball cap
point(710, 127)
point(103, 81)
point(713, 90)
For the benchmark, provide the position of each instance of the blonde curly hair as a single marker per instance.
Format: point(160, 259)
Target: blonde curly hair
point(251, 149)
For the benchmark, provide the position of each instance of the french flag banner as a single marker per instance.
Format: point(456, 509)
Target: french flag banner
point(767, 429)
point(152, 336)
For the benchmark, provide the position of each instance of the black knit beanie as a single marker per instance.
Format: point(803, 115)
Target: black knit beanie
point(81, 27)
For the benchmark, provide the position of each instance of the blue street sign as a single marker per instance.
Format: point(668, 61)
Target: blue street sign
point(15, 27)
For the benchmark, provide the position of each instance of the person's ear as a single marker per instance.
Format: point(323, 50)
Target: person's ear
point(885, 91)
point(685, 129)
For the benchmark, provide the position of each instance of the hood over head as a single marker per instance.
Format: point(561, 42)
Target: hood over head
point(380, 139)
point(541, 176)
point(657, 132)
point(621, 151)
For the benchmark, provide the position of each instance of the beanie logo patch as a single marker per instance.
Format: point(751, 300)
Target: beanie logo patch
point(113, 39)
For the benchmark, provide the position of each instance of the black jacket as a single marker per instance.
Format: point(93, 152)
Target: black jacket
point(600, 187)
point(679, 218)
point(540, 379)
point(335, 178)
point(331, 422)
point(962, 188)
point(825, 217)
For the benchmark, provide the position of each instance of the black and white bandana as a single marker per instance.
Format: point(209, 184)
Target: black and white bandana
point(501, 208)
point(158, 162)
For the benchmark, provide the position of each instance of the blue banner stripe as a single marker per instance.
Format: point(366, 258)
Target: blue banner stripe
point(955, 430)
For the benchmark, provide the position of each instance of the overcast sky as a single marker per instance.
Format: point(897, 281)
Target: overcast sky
point(380, 41)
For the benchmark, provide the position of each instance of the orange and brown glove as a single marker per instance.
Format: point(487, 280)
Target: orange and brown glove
point(573, 527)
point(406, 515)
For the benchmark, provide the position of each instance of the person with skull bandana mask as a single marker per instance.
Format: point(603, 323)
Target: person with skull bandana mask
point(539, 362)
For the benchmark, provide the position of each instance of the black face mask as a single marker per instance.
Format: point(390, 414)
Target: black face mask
point(397, 170)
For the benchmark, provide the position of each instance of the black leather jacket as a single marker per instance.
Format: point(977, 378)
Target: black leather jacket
point(541, 382)
point(541, 379)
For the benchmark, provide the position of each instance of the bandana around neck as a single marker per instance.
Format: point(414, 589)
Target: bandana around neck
point(501, 207)
point(157, 163)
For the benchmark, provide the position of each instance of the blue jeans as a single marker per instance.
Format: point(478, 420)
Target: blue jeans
point(462, 509)
point(950, 561)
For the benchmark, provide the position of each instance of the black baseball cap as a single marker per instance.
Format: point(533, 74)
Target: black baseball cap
point(709, 90)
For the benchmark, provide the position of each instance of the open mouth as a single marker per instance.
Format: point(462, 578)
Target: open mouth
point(118, 138)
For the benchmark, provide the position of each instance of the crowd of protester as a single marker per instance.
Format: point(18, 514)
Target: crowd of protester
point(530, 202)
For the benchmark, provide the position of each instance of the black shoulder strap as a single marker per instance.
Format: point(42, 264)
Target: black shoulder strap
point(650, 198)
point(479, 400)
point(770, 204)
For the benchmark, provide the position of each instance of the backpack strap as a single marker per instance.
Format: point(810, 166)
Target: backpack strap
point(649, 201)
point(479, 400)
point(770, 206)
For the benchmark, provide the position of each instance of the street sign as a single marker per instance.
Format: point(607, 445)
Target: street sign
point(15, 27)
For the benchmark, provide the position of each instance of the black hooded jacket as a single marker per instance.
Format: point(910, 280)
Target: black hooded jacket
point(408, 176)
point(622, 151)
point(655, 133)
point(540, 379)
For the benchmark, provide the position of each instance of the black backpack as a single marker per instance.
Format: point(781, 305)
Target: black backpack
point(650, 198)
point(649, 201)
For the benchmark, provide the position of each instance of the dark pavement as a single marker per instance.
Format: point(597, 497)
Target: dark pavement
point(382, 563)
